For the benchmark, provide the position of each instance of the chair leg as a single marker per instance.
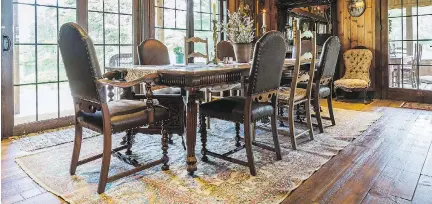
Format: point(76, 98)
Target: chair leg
point(330, 109)
point(208, 119)
point(309, 119)
point(106, 159)
point(164, 142)
point(77, 148)
point(128, 140)
point(203, 131)
point(275, 137)
point(317, 110)
point(365, 96)
point(291, 127)
point(253, 131)
point(248, 145)
point(237, 138)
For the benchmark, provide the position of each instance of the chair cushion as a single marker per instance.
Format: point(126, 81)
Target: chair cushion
point(125, 114)
point(284, 94)
point(323, 92)
point(167, 91)
point(351, 83)
point(232, 109)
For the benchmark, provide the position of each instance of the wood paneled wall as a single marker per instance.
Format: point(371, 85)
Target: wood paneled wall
point(359, 31)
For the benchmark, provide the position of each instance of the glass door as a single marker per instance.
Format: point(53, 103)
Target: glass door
point(41, 90)
point(410, 47)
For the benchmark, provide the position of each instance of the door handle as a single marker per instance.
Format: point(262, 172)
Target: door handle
point(7, 43)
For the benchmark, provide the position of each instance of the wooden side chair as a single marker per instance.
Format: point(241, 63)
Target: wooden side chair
point(291, 96)
point(224, 49)
point(195, 54)
point(154, 52)
point(357, 71)
point(94, 112)
point(259, 101)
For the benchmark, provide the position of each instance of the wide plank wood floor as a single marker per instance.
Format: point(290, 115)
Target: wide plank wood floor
point(390, 163)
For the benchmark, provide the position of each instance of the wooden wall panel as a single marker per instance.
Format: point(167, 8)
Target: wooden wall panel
point(358, 31)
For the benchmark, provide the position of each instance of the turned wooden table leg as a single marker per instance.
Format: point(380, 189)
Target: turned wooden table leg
point(191, 127)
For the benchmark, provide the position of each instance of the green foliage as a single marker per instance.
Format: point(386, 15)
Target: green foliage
point(178, 50)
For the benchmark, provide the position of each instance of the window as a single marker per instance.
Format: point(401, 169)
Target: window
point(111, 28)
point(170, 26)
point(410, 44)
point(203, 24)
point(41, 90)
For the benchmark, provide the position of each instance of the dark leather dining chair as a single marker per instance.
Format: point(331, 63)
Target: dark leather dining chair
point(92, 110)
point(323, 80)
point(154, 52)
point(259, 101)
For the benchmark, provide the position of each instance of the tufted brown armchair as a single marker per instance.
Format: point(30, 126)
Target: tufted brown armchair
point(357, 71)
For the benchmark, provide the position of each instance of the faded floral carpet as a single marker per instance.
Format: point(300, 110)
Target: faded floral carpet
point(215, 182)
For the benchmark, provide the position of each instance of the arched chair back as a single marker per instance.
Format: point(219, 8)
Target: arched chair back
point(81, 63)
point(225, 49)
point(153, 52)
point(328, 60)
point(267, 63)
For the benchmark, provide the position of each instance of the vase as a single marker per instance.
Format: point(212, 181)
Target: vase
point(243, 52)
point(179, 58)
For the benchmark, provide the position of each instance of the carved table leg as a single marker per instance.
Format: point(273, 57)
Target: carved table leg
point(237, 138)
point(191, 127)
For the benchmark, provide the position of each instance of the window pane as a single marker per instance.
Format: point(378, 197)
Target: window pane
point(169, 18)
point(126, 6)
point(395, 29)
point(181, 4)
point(111, 6)
point(206, 21)
point(47, 24)
point(66, 16)
point(95, 27)
point(200, 47)
point(47, 2)
point(126, 29)
point(197, 21)
point(67, 3)
point(196, 6)
point(426, 54)
point(169, 3)
point(205, 6)
point(425, 28)
point(24, 60)
point(25, 1)
point(112, 56)
point(47, 101)
point(95, 5)
point(66, 101)
point(410, 28)
point(425, 10)
point(47, 63)
point(24, 23)
point(111, 29)
point(181, 19)
point(24, 104)
point(62, 70)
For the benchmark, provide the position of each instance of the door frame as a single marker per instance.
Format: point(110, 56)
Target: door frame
point(7, 114)
point(422, 96)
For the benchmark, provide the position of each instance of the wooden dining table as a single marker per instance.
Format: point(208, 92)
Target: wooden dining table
point(191, 78)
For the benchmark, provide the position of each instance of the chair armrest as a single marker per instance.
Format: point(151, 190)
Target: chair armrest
point(148, 79)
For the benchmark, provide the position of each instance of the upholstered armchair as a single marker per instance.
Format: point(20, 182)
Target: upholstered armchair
point(259, 101)
point(93, 111)
point(357, 71)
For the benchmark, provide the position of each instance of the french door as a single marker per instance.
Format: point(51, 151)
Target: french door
point(38, 90)
point(6, 68)
point(409, 50)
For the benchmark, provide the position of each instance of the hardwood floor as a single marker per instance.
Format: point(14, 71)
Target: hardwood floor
point(390, 163)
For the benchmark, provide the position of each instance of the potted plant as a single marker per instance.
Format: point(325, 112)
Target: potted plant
point(178, 51)
point(241, 32)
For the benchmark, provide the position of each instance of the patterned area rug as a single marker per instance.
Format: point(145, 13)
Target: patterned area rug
point(215, 182)
point(418, 106)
